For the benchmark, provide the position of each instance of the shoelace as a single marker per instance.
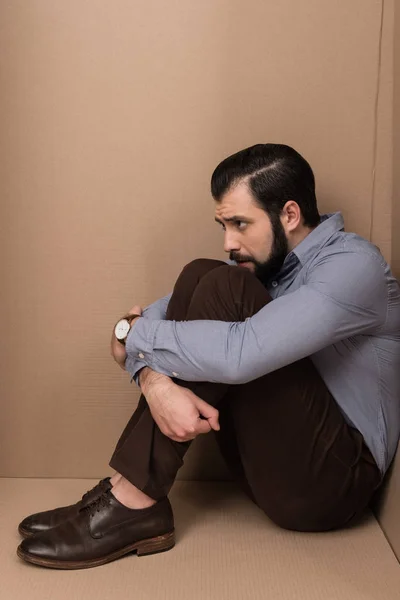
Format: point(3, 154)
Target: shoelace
point(97, 504)
point(102, 485)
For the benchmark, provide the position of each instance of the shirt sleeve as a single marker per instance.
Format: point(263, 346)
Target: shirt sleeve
point(344, 294)
point(156, 311)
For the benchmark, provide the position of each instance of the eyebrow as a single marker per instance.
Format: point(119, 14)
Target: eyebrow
point(230, 219)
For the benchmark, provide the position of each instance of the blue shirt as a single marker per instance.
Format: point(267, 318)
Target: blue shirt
point(335, 300)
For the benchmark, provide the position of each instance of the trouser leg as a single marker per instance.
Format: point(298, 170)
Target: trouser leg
point(306, 467)
point(143, 455)
point(283, 434)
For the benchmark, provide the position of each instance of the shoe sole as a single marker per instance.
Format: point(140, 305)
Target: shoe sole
point(25, 533)
point(161, 543)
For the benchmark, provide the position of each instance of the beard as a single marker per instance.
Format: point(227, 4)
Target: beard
point(267, 270)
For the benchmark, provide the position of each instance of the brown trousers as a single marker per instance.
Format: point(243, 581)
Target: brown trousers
point(282, 435)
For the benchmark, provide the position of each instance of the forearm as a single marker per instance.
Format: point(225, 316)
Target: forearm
point(190, 351)
point(283, 332)
point(345, 295)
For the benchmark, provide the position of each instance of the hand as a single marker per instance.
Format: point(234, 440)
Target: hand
point(175, 409)
point(118, 350)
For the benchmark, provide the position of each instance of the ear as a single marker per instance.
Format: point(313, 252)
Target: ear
point(291, 216)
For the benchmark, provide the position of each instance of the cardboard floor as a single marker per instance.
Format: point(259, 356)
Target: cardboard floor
point(226, 550)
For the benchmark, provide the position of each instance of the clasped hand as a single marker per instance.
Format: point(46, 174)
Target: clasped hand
point(178, 412)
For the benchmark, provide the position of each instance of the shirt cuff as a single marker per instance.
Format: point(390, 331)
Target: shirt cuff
point(139, 346)
point(133, 367)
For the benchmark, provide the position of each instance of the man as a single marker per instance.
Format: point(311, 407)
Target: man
point(291, 356)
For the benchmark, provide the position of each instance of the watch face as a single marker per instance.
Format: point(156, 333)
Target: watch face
point(122, 329)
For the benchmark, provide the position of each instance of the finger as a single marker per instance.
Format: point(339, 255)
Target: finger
point(182, 436)
point(203, 426)
point(135, 310)
point(209, 412)
point(178, 435)
point(181, 439)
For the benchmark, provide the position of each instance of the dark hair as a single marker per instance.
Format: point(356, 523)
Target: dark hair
point(275, 174)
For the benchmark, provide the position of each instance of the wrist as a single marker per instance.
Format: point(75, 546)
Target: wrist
point(149, 379)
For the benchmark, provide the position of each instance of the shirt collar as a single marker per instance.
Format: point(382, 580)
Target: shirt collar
point(329, 225)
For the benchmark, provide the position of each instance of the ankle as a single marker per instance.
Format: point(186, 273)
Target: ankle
point(130, 496)
point(115, 478)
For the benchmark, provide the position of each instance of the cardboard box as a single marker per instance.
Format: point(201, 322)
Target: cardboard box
point(113, 119)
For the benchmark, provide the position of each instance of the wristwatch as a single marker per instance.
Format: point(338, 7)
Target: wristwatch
point(123, 327)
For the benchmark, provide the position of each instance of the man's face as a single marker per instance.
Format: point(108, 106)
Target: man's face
point(250, 237)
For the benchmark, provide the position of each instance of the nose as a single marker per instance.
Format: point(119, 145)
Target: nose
point(231, 243)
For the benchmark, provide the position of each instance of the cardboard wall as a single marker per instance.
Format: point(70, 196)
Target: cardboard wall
point(112, 119)
point(396, 147)
point(388, 500)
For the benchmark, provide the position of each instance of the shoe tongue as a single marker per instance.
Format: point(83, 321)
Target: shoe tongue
point(104, 485)
point(107, 483)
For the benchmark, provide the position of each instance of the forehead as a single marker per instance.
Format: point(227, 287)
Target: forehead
point(238, 200)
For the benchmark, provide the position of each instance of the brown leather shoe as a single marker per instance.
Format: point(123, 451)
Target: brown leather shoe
point(102, 531)
point(43, 521)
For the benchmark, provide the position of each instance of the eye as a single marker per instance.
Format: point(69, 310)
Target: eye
point(240, 225)
point(222, 226)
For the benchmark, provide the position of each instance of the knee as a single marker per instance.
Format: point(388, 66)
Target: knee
point(237, 287)
point(200, 267)
point(227, 293)
point(227, 277)
point(218, 273)
point(202, 272)
point(220, 286)
point(202, 263)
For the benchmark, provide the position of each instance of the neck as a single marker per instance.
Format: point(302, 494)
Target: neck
point(299, 236)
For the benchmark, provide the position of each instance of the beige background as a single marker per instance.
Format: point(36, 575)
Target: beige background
point(112, 120)
point(396, 145)
point(389, 498)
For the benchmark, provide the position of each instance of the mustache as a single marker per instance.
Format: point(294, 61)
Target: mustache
point(240, 258)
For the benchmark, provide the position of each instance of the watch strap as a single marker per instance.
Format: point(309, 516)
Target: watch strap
point(130, 318)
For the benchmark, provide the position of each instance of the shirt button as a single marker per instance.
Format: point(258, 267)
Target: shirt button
point(141, 355)
point(174, 374)
point(274, 283)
